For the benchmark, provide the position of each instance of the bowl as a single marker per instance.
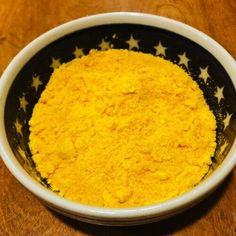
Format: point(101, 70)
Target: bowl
point(210, 65)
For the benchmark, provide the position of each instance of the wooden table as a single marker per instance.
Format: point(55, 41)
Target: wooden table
point(23, 20)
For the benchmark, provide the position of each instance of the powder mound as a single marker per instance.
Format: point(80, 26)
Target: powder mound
point(119, 128)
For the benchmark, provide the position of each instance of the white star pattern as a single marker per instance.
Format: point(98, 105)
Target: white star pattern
point(204, 74)
point(55, 63)
point(78, 52)
point(21, 152)
point(104, 45)
point(36, 82)
point(219, 93)
point(160, 49)
point(223, 147)
point(23, 103)
point(227, 120)
point(183, 59)
point(133, 43)
point(18, 127)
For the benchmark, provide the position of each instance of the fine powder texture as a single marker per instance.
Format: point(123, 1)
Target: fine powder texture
point(119, 128)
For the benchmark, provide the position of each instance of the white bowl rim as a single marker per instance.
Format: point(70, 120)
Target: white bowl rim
point(110, 213)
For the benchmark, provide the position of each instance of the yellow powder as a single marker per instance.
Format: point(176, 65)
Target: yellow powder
point(122, 129)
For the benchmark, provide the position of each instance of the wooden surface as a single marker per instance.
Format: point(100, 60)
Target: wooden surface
point(23, 20)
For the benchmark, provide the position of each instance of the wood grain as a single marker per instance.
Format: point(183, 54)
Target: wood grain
point(23, 20)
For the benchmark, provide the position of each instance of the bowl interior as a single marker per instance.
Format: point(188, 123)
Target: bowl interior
point(204, 68)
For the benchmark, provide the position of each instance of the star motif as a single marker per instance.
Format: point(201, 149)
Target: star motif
point(219, 93)
point(55, 63)
point(227, 120)
point(21, 152)
point(104, 45)
point(36, 82)
point(78, 52)
point(133, 43)
point(23, 103)
point(204, 74)
point(18, 127)
point(160, 49)
point(183, 59)
point(223, 147)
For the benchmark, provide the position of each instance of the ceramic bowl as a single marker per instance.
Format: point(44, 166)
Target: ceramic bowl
point(26, 76)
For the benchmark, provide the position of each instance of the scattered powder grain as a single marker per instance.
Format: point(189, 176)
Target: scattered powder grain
point(122, 129)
